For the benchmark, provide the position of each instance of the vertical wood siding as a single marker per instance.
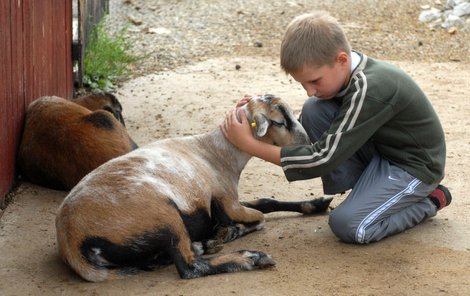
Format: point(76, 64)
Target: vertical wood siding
point(35, 60)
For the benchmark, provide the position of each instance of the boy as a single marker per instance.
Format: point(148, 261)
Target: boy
point(372, 129)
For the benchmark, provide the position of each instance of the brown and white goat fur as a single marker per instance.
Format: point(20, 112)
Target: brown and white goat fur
point(173, 201)
point(63, 140)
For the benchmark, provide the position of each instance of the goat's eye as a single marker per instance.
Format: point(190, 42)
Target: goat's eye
point(278, 124)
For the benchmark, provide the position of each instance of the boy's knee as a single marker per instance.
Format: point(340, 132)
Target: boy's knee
point(316, 116)
point(311, 109)
point(342, 225)
point(308, 104)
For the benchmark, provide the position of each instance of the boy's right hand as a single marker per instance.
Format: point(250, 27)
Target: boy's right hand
point(237, 130)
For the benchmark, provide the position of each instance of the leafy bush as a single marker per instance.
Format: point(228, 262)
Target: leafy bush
point(107, 58)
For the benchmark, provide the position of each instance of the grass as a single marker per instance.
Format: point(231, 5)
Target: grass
point(107, 58)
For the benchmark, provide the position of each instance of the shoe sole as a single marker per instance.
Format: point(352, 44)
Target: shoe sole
point(446, 193)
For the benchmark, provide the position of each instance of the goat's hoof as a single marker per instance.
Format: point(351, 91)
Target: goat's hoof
point(324, 202)
point(259, 259)
point(213, 246)
point(227, 233)
point(210, 246)
point(316, 205)
point(198, 248)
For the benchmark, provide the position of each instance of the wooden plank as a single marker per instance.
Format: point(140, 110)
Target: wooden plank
point(6, 176)
point(42, 37)
point(17, 105)
point(69, 38)
point(35, 54)
point(28, 70)
point(50, 61)
point(48, 64)
point(63, 46)
point(58, 28)
point(18, 48)
point(18, 58)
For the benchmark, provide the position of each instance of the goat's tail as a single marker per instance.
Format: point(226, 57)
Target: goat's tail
point(69, 250)
point(98, 259)
point(89, 265)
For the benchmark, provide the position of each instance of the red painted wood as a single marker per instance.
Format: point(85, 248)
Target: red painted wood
point(6, 165)
point(35, 60)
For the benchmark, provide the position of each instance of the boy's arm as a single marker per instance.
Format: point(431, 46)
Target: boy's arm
point(240, 135)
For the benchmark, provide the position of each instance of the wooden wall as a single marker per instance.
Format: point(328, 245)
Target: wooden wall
point(35, 60)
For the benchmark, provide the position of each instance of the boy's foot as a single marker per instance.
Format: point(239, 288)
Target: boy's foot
point(441, 197)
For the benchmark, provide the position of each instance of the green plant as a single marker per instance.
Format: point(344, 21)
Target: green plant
point(107, 58)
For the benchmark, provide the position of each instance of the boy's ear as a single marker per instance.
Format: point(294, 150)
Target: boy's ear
point(342, 57)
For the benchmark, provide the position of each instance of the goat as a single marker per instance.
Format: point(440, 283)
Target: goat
point(172, 201)
point(63, 140)
point(102, 101)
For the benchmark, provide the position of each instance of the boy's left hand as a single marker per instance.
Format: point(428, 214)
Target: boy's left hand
point(238, 133)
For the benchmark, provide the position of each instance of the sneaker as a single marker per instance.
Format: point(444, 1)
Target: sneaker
point(441, 197)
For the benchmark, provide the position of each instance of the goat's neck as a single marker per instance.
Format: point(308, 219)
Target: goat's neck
point(217, 145)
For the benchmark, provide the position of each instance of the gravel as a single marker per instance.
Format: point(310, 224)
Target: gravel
point(453, 15)
point(173, 33)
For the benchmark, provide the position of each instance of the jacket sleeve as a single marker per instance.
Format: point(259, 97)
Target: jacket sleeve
point(358, 119)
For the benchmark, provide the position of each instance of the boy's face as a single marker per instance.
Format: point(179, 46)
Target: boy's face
point(326, 81)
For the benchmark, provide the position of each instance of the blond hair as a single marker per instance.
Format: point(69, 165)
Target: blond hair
point(312, 39)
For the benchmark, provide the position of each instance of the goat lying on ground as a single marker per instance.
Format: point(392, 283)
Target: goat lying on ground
point(64, 140)
point(172, 201)
point(102, 101)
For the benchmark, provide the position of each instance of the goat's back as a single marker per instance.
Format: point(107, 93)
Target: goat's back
point(63, 141)
point(178, 170)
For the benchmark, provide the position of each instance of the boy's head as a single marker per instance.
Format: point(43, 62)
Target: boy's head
point(312, 39)
point(316, 53)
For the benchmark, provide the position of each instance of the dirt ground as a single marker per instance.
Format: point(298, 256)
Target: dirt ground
point(192, 96)
point(430, 259)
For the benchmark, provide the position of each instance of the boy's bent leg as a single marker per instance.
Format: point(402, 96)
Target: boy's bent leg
point(316, 118)
point(386, 200)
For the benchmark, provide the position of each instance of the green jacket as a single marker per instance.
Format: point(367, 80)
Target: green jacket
point(383, 104)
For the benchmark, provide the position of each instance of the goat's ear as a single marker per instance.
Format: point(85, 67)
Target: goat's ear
point(262, 124)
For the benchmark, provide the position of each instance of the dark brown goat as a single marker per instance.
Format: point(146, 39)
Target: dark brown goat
point(63, 140)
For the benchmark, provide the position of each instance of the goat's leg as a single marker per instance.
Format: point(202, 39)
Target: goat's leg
point(208, 246)
point(268, 205)
point(190, 265)
point(235, 220)
point(242, 260)
point(231, 232)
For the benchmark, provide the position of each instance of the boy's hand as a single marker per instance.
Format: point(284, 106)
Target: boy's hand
point(238, 133)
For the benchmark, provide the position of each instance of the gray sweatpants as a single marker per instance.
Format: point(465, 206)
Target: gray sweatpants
point(384, 199)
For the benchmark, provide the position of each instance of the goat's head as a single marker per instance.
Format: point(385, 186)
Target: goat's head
point(102, 101)
point(273, 121)
point(107, 102)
